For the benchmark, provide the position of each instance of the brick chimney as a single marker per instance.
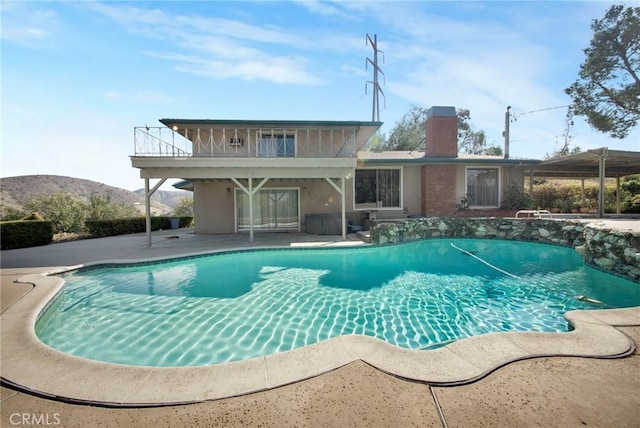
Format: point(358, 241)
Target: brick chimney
point(439, 180)
point(441, 132)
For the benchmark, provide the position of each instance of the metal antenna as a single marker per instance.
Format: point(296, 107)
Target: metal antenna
point(375, 113)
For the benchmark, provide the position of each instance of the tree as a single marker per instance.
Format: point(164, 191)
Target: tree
point(101, 207)
point(184, 208)
point(607, 91)
point(65, 212)
point(469, 141)
point(494, 151)
point(565, 147)
point(409, 133)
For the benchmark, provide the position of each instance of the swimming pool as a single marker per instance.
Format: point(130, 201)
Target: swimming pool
point(239, 305)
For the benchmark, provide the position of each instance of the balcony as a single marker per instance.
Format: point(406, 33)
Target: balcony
point(246, 142)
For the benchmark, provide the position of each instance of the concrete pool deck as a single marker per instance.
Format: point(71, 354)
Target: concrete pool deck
point(356, 372)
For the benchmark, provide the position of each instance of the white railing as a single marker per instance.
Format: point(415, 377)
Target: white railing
point(244, 142)
point(160, 141)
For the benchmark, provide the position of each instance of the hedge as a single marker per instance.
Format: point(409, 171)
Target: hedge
point(25, 233)
point(102, 228)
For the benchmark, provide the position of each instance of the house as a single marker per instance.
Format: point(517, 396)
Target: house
point(316, 176)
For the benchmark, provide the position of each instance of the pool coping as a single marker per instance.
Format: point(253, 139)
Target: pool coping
point(30, 365)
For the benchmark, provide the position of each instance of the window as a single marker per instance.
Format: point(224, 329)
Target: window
point(276, 146)
point(273, 209)
point(482, 187)
point(377, 188)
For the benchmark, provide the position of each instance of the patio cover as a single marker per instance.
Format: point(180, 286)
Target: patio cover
point(618, 163)
point(601, 163)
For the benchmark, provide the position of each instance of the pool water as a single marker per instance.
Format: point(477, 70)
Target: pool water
point(240, 305)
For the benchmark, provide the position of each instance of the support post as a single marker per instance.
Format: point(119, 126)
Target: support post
point(341, 191)
point(617, 195)
point(250, 209)
point(147, 209)
point(147, 202)
point(601, 174)
point(344, 215)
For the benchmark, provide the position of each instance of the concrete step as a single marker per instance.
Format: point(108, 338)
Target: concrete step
point(364, 236)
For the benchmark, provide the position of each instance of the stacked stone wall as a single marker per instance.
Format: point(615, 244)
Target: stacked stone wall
point(614, 251)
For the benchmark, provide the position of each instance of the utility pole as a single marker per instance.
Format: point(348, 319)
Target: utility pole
point(375, 113)
point(507, 117)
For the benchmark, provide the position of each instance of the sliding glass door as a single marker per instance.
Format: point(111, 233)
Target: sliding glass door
point(273, 209)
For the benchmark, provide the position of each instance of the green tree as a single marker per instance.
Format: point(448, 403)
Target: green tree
point(607, 91)
point(409, 132)
point(66, 212)
point(630, 194)
point(184, 207)
point(494, 151)
point(102, 207)
point(469, 141)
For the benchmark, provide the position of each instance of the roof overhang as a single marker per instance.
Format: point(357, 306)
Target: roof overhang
point(240, 168)
point(617, 163)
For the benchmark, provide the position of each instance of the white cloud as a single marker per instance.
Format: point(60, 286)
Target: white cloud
point(222, 48)
point(28, 24)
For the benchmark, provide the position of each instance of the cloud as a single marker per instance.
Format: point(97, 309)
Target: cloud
point(28, 26)
point(323, 8)
point(218, 48)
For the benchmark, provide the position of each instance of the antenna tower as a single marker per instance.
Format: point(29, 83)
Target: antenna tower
point(375, 112)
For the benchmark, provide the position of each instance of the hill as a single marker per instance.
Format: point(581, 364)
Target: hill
point(169, 198)
point(14, 191)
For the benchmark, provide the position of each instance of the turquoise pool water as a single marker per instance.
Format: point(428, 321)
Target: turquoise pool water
point(240, 305)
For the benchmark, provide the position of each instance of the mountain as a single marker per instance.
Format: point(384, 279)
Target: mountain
point(14, 191)
point(170, 198)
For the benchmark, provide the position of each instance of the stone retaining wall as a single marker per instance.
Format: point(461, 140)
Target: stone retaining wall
point(610, 250)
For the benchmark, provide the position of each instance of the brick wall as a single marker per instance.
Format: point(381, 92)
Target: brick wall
point(438, 190)
point(439, 181)
point(441, 132)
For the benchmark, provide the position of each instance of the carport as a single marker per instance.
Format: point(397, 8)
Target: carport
point(601, 163)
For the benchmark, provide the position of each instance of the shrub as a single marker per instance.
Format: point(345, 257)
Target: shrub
point(102, 228)
point(545, 195)
point(65, 211)
point(516, 198)
point(25, 233)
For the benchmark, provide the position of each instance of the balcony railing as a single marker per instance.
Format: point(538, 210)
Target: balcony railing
point(244, 142)
point(160, 141)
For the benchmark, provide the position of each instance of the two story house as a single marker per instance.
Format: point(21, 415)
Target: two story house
point(316, 176)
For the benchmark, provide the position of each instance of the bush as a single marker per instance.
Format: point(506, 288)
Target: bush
point(102, 228)
point(516, 198)
point(25, 233)
point(545, 196)
point(65, 211)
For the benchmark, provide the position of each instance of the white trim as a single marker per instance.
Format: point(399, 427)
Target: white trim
point(499, 177)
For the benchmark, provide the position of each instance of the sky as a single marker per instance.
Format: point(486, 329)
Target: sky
point(78, 76)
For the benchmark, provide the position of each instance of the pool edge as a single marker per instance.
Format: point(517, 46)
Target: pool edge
point(30, 365)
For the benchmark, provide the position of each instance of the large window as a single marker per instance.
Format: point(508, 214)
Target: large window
point(482, 187)
point(273, 209)
point(377, 188)
point(273, 145)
